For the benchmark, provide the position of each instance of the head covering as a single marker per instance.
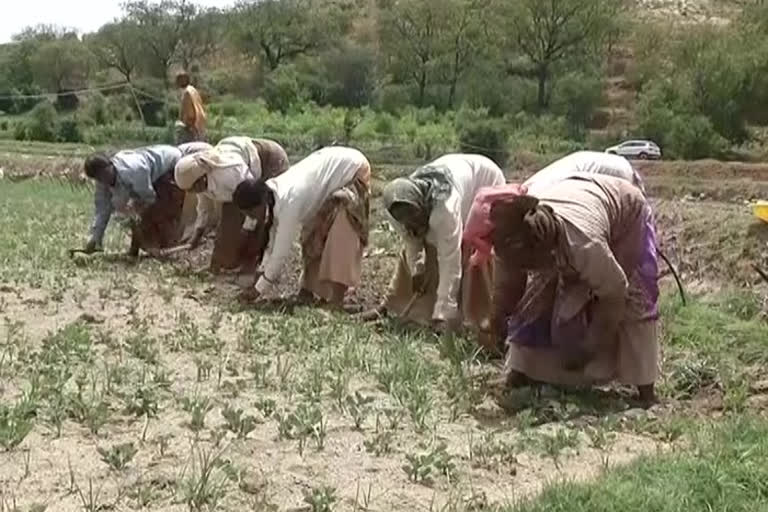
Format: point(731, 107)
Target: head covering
point(218, 165)
point(421, 189)
point(525, 231)
point(478, 228)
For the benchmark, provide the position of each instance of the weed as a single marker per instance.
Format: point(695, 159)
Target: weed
point(418, 402)
point(366, 497)
point(599, 436)
point(237, 422)
point(380, 444)
point(143, 493)
point(320, 499)
point(204, 367)
point(198, 407)
point(15, 425)
point(554, 444)
point(359, 407)
point(312, 387)
point(491, 452)
point(394, 416)
point(207, 483)
point(266, 406)
point(307, 420)
point(118, 457)
point(260, 370)
point(419, 467)
point(90, 409)
point(339, 386)
point(142, 402)
point(142, 346)
point(90, 497)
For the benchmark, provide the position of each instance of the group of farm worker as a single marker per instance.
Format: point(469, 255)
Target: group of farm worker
point(559, 272)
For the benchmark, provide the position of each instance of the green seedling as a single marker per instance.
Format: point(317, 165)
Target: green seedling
point(237, 422)
point(359, 407)
point(118, 457)
point(320, 499)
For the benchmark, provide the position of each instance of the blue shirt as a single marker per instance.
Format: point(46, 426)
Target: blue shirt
point(136, 172)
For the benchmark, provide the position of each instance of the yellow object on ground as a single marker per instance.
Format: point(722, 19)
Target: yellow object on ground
point(761, 210)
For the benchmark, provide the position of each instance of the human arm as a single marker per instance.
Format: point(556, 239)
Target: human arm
point(285, 232)
point(599, 270)
point(102, 202)
point(445, 223)
point(205, 206)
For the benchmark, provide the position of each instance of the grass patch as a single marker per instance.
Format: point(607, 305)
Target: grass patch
point(724, 469)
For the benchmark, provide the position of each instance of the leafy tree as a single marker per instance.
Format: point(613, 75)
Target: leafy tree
point(551, 33)
point(115, 47)
point(279, 30)
point(163, 26)
point(61, 64)
point(413, 36)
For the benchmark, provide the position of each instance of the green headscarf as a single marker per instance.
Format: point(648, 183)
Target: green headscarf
point(422, 189)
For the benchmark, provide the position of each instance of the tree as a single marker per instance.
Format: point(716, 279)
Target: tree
point(466, 37)
point(163, 26)
point(413, 37)
point(114, 46)
point(549, 33)
point(202, 37)
point(61, 64)
point(280, 30)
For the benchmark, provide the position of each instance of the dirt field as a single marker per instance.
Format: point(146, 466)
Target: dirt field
point(144, 386)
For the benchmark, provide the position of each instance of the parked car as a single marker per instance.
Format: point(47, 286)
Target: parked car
point(642, 149)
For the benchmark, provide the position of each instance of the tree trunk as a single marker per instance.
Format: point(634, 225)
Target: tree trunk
point(422, 87)
point(543, 78)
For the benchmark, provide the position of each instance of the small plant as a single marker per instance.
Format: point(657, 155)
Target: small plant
point(238, 423)
point(380, 444)
point(118, 456)
point(90, 497)
point(312, 387)
point(339, 386)
point(359, 407)
point(419, 467)
point(142, 402)
point(266, 406)
point(204, 367)
point(142, 346)
point(15, 425)
point(320, 499)
point(260, 371)
point(418, 403)
point(491, 451)
point(283, 369)
point(198, 407)
point(307, 420)
point(553, 444)
point(207, 484)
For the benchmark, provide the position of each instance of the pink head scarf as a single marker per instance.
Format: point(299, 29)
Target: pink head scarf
point(478, 228)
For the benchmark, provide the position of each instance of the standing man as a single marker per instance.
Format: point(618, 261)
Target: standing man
point(191, 124)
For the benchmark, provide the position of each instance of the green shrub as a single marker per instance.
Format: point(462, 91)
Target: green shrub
point(477, 133)
point(283, 89)
point(42, 123)
point(68, 130)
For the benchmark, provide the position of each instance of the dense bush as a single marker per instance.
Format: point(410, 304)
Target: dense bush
point(42, 123)
point(477, 133)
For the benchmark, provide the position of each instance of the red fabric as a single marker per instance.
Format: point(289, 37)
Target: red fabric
point(478, 229)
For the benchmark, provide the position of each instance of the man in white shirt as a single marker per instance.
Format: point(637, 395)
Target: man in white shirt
point(583, 162)
point(433, 283)
point(213, 175)
point(325, 197)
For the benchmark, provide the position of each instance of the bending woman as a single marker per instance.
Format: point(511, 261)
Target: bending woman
point(433, 282)
point(326, 198)
point(576, 285)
